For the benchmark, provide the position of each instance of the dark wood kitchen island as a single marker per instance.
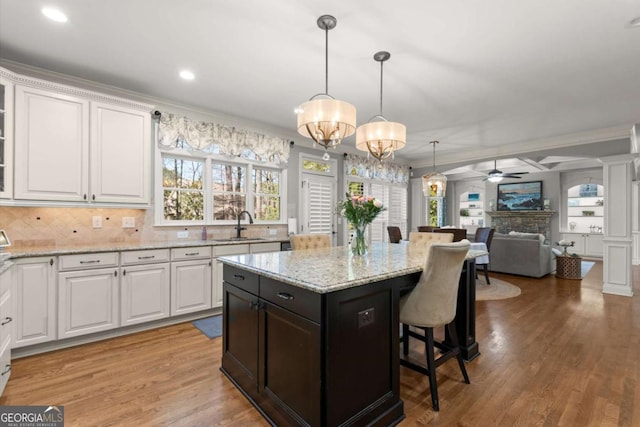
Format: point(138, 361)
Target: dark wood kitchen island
point(311, 337)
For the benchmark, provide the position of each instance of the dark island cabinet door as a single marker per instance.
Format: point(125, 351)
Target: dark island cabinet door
point(240, 345)
point(290, 378)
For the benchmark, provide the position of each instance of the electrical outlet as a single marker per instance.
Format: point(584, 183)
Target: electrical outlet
point(366, 317)
point(183, 234)
point(128, 222)
point(96, 221)
point(273, 232)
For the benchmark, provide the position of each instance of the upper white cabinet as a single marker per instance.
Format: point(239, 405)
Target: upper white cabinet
point(73, 145)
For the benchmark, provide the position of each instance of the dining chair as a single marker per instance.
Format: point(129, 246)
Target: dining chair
point(484, 235)
point(310, 241)
point(426, 228)
point(431, 304)
point(458, 233)
point(395, 235)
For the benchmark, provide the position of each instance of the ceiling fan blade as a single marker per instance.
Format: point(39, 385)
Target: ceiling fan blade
point(518, 173)
point(510, 175)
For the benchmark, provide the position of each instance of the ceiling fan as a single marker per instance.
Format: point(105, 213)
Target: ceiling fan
point(496, 175)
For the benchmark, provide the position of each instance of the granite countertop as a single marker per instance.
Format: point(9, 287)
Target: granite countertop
point(31, 251)
point(333, 269)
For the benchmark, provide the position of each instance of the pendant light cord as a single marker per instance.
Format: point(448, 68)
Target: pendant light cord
point(326, 61)
point(381, 64)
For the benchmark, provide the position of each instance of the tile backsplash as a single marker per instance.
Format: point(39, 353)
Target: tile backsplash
point(43, 226)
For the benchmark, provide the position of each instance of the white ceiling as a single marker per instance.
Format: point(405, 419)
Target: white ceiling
point(486, 78)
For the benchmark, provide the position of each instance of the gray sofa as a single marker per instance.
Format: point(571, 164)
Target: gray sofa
point(524, 254)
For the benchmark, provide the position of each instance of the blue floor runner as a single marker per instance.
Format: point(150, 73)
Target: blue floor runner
point(585, 267)
point(210, 326)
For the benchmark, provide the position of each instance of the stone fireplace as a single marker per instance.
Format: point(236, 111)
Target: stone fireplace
point(522, 221)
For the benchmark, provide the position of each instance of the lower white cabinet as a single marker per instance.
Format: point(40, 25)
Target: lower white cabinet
point(144, 286)
point(216, 285)
point(586, 244)
point(33, 293)
point(6, 320)
point(88, 299)
point(190, 280)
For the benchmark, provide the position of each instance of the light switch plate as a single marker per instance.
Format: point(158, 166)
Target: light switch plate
point(273, 232)
point(96, 221)
point(128, 222)
point(183, 234)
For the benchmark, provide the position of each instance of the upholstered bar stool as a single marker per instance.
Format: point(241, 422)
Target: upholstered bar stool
point(310, 241)
point(419, 241)
point(395, 235)
point(432, 303)
point(458, 233)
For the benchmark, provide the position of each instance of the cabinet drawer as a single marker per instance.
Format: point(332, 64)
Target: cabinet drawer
point(243, 279)
point(230, 250)
point(90, 260)
point(144, 257)
point(196, 252)
point(300, 301)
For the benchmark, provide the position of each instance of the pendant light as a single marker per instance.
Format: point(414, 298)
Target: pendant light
point(381, 138)
point(327, 120)
point(434, 184)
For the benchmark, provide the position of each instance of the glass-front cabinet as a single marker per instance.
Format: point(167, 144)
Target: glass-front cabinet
point(6, 138)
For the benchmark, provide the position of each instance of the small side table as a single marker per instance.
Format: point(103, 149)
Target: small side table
point(569, 267)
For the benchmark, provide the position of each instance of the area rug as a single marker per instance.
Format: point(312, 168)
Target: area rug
point(498, 289)
point(210, 326)
point(585, 267)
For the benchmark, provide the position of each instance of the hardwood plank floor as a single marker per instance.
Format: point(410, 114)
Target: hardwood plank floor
point(560, 354)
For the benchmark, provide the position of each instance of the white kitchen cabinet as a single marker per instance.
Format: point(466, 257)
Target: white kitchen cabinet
point(218, 251)
point(72, 146)
point(6, 323)
point(52, 145)
point(586, 244)
point(144, 286)
point(190, 279)
point(88, 299)
point(120, 154)
point(33, 293)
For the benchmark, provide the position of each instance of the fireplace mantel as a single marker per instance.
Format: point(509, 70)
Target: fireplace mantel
point(523, 221)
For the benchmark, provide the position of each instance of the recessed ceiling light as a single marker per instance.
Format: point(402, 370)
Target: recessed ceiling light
point(54, 14)
point(187, 75)
point(635, 23)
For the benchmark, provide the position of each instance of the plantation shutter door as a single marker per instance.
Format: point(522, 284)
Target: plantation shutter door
point(378, 227)
point(398, 209)
point(320, 205)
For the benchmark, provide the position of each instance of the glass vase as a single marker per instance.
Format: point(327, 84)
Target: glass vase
point(359, 242)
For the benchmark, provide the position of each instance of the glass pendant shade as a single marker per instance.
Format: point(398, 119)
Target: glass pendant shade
point(434, 184)
point(381, 139)
point(326, 121)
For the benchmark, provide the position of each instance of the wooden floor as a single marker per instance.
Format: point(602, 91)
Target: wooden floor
point(560, 354)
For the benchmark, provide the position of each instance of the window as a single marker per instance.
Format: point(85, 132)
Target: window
point(435, 211)
point(182, 189)
point(233, 187)
point(229, 190)
point(266, 190)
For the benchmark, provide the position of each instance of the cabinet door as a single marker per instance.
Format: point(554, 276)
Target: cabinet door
point(216, 287)
point(594, 245)
point(33, 294)
point(289, 365)
point(120, 154)
point(87, 301)
point(190, 286)
point(52, 146)
point(144, 293)
point(240, 343)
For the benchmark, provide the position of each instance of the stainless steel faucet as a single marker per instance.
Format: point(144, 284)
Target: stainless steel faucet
point(238, 227)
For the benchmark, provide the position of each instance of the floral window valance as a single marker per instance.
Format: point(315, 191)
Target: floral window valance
point(216, 138)
point(371, 168)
